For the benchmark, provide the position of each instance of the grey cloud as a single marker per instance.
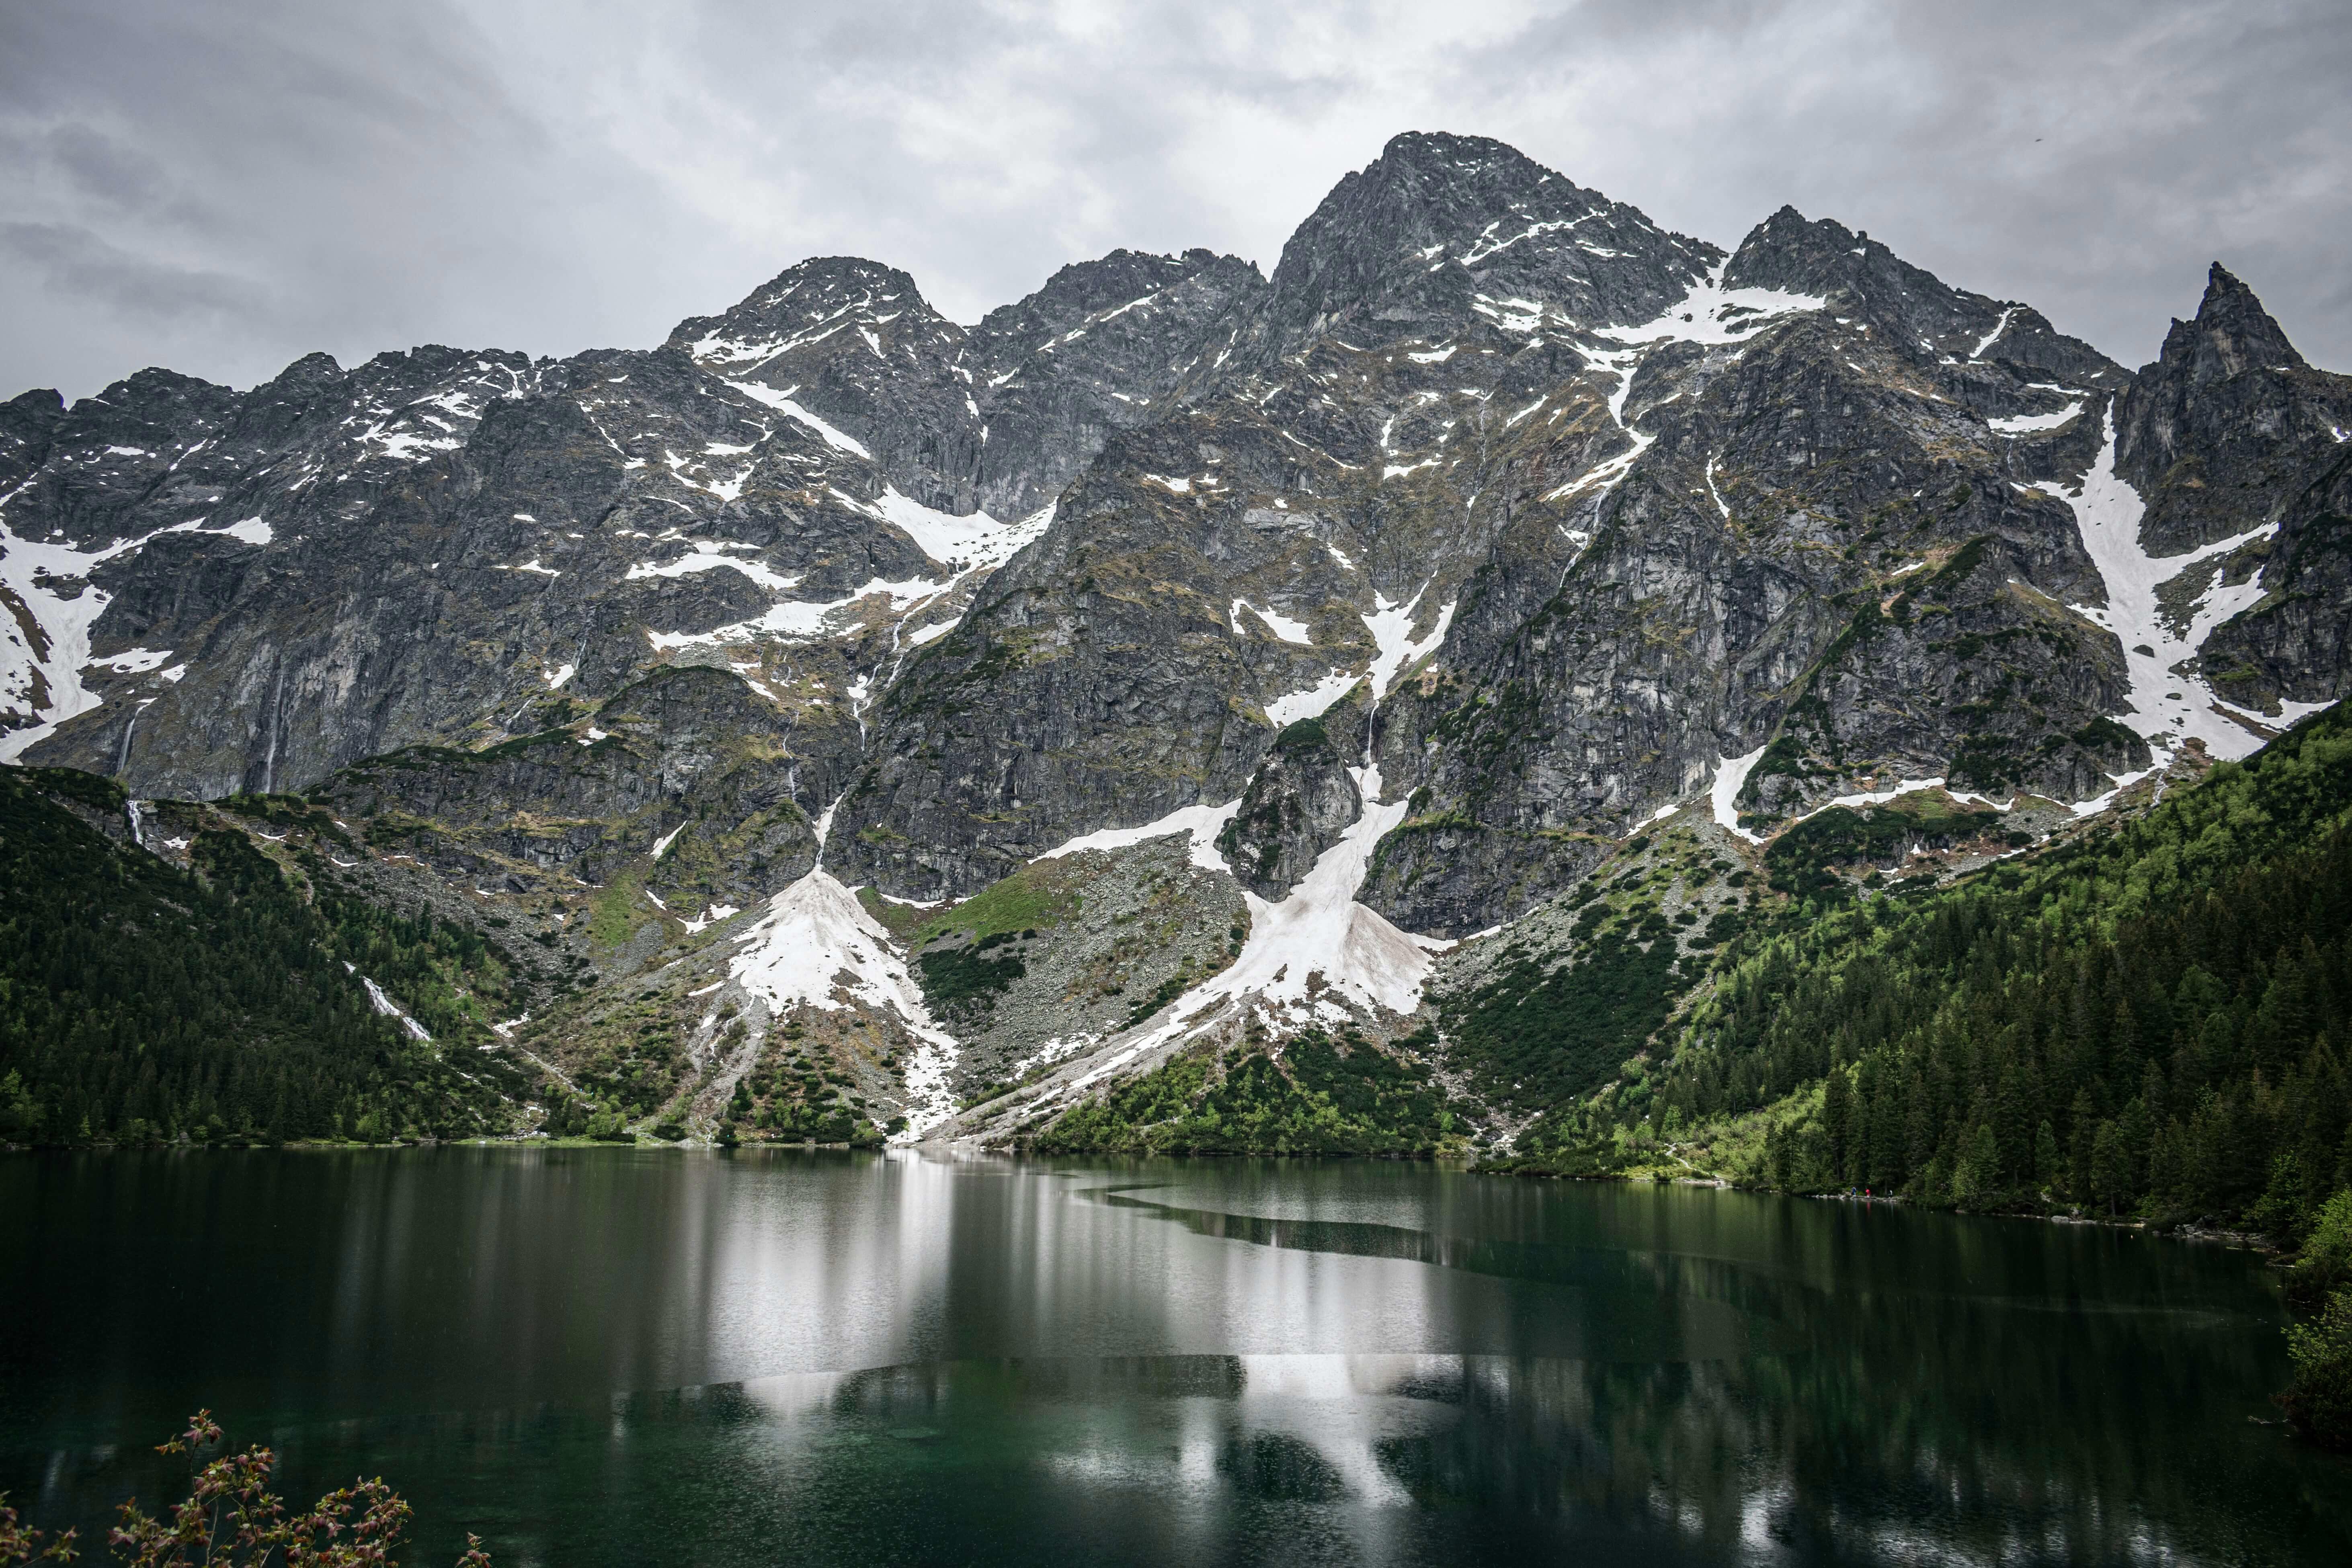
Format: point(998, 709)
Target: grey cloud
point(550, 176)
point(74, 261)
point(104, 168)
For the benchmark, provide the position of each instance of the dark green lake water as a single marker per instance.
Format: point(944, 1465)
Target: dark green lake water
point(675, 1357)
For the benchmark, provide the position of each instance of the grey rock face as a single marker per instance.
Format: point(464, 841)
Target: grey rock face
point(1145, 924)
point(1298, 803)
point(1446, 233)
point(426, 549)
point(1582, 510)
point(688, 765)
point(1652, 538)
point(2295, 641)
point(2227, 425)
point(1098, 349)
point(855, 342)
point(998, 417)
point(1335, 462)
point(1750, 579)
point(1861, 278)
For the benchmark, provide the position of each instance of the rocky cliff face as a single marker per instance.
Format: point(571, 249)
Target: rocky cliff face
point(998, 417)
point(1406, 584)
point(2221, 431)
point(245, 592)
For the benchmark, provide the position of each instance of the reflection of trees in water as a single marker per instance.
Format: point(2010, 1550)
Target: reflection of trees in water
point(1848, 1385)
point(1850, 1380)
point(1680, 1375)
point(1925, 1427)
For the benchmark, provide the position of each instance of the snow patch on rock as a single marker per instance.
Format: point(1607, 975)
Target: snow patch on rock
point(1203, 822)
point(1280, 624)
point(2026, 424)
point(2166, 708)
point(1730, 778)
point(1291, 706)
point(1391, 628)
point(781, 402)
point(709, 557)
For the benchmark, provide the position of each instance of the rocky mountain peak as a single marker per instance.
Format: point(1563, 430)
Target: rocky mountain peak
point(1098, 349)
point(306, 376)
point(815, 301)
point(2232, 334)
point(1855, 273)
point(1083, 289)
point(1444, 234)
point(1385, 595)
point(2217, 434)
point(1918, 314)
point(854, 343)
point(25, 421)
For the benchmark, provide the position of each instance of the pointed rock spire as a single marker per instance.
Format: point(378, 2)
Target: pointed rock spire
point(2221, 428)
point(2232, 334)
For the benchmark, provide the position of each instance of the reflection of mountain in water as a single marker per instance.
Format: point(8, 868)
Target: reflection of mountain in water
point(594, 1359)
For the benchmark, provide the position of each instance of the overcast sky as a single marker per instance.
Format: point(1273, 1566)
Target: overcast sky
point(221, 188)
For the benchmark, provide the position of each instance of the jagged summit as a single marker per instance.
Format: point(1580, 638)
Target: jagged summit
point(1438, 224)
point(2216, 433)
point(819, 297)
point(1083, 288)
point(1918, 311)
point(1097, 350)
point(2232, 334)
point(1403, 583)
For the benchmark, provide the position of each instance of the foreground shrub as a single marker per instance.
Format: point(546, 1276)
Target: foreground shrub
point(231, 1519)
point(2318, 1401)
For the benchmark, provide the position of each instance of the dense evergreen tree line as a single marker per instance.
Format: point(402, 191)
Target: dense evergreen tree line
point(1319, 1095)
point(1534, 1036)
point(141, 1003)
point(2151, 1020)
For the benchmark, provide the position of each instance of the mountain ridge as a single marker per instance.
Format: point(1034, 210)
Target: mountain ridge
point(1393, 594)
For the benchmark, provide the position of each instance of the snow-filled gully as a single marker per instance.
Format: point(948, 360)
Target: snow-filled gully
point(1317, 955)
point(815, 943)
point(2166, 709)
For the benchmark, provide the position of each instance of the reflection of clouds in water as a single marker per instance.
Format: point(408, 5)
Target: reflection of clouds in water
point(1169, 1351)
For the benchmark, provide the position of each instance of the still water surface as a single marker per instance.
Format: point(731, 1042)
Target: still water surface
point(612, 1356)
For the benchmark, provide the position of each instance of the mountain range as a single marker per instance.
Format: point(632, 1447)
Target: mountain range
point(839, 720)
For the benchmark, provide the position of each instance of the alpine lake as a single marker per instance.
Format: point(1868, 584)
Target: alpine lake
point(593, 1356)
